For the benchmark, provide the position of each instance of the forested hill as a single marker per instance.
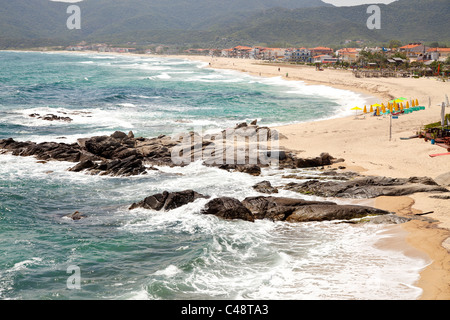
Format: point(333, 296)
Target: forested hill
point(220, 23)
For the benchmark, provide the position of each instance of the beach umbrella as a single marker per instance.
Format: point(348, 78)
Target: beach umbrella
point(365, 109)
point(378, 111)
point(407, 104)
point(356, 109)
point(383, 108)
point(371, 109)
point(417, 103)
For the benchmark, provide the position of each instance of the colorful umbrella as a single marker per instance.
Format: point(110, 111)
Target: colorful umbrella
point(356, 108)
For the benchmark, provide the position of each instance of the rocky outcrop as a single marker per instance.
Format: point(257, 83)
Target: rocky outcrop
point(168, 200)
point(367, 187)
point(51, 117)
point(285, 209)
point(44, 150)
point(258, 208)
point(130, 166)
point(124, 154)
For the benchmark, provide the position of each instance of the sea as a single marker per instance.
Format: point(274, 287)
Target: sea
point(121, 254)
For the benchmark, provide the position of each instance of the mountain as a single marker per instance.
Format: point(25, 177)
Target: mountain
point(219, 23)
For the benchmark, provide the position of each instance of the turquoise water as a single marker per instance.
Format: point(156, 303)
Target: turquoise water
point(181, 254)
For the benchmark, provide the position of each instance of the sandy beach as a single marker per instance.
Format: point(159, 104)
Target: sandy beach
point(366, 146)
point(370, 146)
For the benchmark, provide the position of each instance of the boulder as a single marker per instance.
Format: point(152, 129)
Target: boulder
point(76, 216)
point(265, 187)
point(326, 212)
point(443, 179)
point(273, 208)
point(228, 208)
point(285, 209)
point(168, 200)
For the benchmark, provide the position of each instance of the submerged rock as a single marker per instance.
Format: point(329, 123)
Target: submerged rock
point(76, 216)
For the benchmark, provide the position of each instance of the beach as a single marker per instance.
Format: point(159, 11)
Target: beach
point(366, 146)
point(363, 142)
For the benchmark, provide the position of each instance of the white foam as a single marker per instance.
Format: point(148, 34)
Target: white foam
point(22, 265)
point(170, 271)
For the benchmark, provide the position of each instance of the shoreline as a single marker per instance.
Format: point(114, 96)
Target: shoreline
point(365, 146)
point(373, 153)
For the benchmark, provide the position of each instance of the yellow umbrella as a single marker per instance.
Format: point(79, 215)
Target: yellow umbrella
point(365, 109)
point(356, 108)
point(407, 104)
point(378, 111)
point(383, 108)
point(401, 106)
point(371, 109)
point(417, 103)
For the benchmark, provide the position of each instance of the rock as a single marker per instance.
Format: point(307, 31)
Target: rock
point(168, 200)
point(43, 151)
point(443, 179)
point(253, 123)
point(86, 164)
point(50, 117)
point(275, 208)
point(388, 219)
point(325, 212)
point(228, 208)
point(323, 160)
point(366, 187)
point(285, 209)
point(265, 187)
point(76, 216)
point(441, 197)
point(252, 169)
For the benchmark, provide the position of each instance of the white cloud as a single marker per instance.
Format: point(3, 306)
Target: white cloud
point(348, 3)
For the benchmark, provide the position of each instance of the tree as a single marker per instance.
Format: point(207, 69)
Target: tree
point(395, 44)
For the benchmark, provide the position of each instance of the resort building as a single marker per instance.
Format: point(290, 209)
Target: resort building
point(321, 51)
point(297, 55)
point(413, 51)
point(350, 55)
point(438, 54)
point(324, 58)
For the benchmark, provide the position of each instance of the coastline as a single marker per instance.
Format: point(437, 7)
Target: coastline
point(366, 148)
point(364, 145)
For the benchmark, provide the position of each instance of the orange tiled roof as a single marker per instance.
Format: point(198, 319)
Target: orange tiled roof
point(438, 50)
point(243, 48)
point(410, 46)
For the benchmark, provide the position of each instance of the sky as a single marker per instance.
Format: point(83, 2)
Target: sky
point(341, 3)
point(338, 3)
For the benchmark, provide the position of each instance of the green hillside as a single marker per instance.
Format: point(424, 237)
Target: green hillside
point(220, 23)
